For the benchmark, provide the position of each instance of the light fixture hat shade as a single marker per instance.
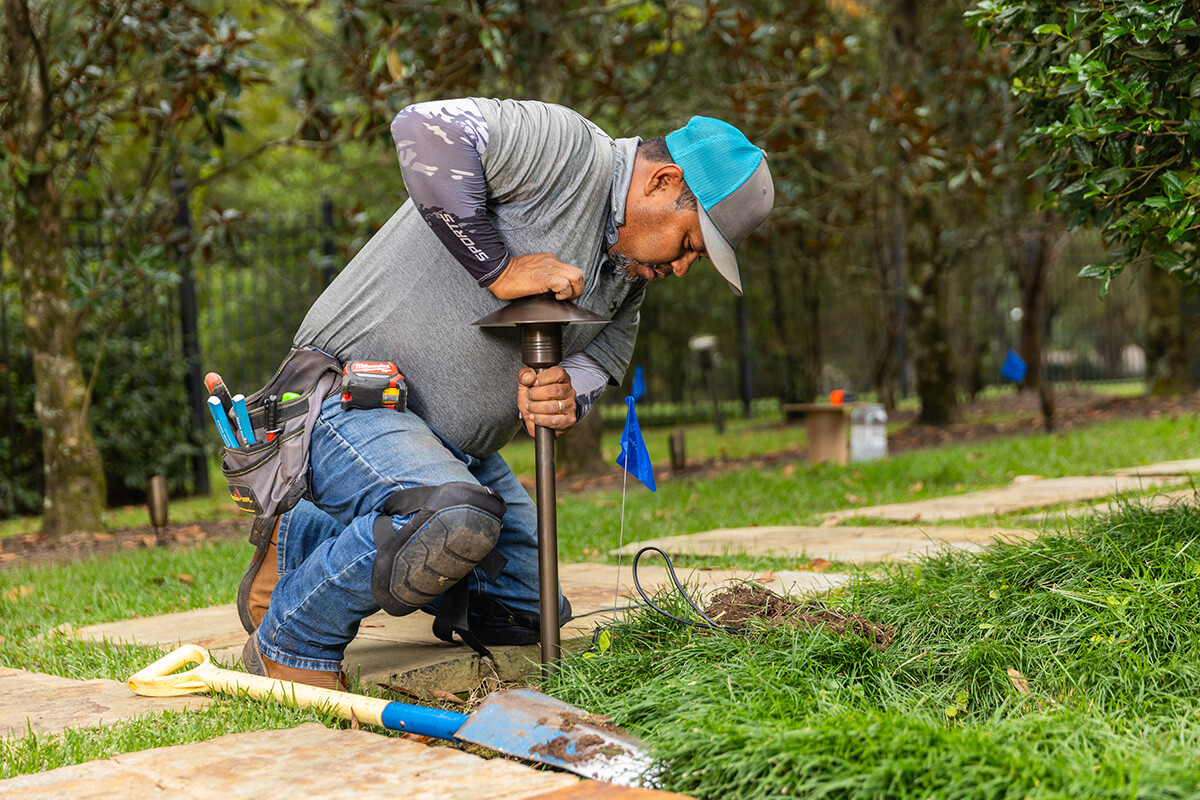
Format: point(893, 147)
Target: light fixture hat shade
point(539, 308)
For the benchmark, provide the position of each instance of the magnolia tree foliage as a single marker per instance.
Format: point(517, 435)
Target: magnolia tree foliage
point(1112, 91)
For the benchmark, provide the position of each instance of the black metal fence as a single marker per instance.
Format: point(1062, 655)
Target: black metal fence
point(236, 288)
point(256, 276)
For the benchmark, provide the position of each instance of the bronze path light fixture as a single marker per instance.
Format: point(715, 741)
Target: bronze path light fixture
point(541, 319)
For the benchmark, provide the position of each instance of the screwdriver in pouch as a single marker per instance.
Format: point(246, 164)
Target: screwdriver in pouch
point(216, 387)
point(272, 422)
point(241, 416)
point(222, 422)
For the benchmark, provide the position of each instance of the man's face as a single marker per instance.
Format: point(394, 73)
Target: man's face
point(658, 238)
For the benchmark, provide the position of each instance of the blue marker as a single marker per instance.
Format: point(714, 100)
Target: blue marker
point(218, 415)
point(243, 418)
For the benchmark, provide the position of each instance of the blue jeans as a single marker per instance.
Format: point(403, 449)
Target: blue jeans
point(326, 551)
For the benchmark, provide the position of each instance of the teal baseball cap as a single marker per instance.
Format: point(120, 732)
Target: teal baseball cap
point(732, 184)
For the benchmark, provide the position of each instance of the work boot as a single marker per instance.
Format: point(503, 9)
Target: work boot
point(493, 622)
point(258, 664)
point(254, 592)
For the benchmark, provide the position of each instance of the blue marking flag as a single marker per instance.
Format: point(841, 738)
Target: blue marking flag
point(634, 457)
point(638, 390)
point(1014, 367)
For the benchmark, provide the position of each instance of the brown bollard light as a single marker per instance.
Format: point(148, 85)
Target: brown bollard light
point(541, 320)
point(157, 504)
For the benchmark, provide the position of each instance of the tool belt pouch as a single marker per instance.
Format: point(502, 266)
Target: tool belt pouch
point(270, 477)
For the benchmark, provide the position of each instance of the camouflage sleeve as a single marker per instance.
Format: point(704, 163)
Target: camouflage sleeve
point(588, 379)
point(440, 145)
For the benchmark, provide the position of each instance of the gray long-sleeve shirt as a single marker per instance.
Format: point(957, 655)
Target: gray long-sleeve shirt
point(554, 182)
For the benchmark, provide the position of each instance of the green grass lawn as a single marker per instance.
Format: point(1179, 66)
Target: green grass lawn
point(1098, 619)
point(1065, 667)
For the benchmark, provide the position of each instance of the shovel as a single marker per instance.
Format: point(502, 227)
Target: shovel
point(522, 723)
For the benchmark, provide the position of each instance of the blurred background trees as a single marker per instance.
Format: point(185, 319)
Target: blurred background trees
point(906, 228)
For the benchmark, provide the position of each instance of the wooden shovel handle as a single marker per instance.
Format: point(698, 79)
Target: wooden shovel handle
point(160, 679)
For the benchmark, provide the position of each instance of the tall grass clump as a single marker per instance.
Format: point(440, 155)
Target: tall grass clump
point(1067, 666)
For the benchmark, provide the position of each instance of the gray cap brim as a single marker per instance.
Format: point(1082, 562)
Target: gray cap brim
point(720, 252)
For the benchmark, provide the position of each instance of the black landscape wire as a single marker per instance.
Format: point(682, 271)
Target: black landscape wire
point(708, 623)
point(601, 611)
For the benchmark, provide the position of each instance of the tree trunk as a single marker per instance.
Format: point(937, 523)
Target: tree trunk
point(937, 384)
point(888, 260)
point(1032, 262)
point(813, 358)
point(73, 470)
point(788, 391)
point(1166, 336)
point(579, 448)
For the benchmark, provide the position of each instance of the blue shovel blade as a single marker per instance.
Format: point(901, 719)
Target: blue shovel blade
point(530, 725)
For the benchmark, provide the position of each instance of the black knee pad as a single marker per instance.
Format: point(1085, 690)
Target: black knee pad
point(455, 526)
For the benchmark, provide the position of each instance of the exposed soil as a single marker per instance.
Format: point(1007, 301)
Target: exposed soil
point(596, 722)
point(577, 749)
point(744, 605)
point(1020, 414)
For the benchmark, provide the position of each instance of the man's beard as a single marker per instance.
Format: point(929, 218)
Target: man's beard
point(626, 265)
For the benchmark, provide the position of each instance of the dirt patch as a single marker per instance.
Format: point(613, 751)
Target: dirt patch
point(745, 604)
point(578, 749)
point(596, 722)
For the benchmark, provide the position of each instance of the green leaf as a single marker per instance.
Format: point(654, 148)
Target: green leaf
point(233, 87)
point(1173, 184)
point(1169, 260)
point(1083, 149)
point(1094, 271)
point(1049, 27)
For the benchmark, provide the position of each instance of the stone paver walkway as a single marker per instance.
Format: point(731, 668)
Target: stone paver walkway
point(1188, 466)
point(309, 761)
point(31, 701)
point(845, 543)
point(1018, 497)
point(1156, 502)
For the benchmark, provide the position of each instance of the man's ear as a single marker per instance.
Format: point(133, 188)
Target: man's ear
point(663, 177)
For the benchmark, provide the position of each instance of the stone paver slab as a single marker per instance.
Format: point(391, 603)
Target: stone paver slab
point(49, 703)
point(307, 761)
point(1007, 499)
point(850, 544)
point(1187, 466)
point(1155, 502)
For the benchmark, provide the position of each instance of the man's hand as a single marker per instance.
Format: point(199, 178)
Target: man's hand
point(546, 398)
point(537, 274)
